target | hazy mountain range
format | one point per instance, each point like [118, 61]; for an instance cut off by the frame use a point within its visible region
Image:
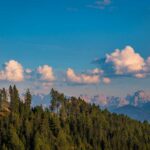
[136, 105]
[135, 112]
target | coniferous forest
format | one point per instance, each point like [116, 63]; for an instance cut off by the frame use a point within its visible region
[67, 124]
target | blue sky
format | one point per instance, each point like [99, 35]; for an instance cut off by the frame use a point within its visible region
[71, 34]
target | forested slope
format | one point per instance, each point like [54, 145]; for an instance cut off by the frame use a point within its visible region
[67, 124]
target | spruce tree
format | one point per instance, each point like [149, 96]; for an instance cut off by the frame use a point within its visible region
[28, 98]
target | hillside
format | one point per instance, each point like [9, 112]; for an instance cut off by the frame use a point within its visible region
[138, 113]
[68, 124]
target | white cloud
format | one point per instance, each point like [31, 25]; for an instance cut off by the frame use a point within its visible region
[106, 80]
[46, 73]
[82, 78]
[13, 71]
[126, 61]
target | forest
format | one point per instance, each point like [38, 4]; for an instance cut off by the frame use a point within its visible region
[68, 123]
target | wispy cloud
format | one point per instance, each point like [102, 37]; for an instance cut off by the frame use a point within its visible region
[100, 4]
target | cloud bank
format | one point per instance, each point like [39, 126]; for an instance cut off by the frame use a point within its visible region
[125, 62]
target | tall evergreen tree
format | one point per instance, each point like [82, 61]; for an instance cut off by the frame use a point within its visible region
[14, 99]
[4, 95]
[1, 100]
[28, 98]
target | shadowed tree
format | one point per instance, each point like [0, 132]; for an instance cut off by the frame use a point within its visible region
[14, 99]
[28, 99]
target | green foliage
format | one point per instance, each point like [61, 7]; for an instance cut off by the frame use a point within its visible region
[69, 124]
[14, 141]
[14, 99]
[28, 98]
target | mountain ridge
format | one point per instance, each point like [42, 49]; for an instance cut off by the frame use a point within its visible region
[140, 100]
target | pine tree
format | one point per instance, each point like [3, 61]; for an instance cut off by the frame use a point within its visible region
[14, 99]
[28, 98]
[4, 95]
[1, 101]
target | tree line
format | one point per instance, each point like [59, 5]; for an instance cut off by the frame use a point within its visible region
[67, 124]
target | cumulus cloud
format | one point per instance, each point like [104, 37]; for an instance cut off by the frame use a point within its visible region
[13, 71]
[82, 78]
[46, 73]
[126, 61]
[106, 80]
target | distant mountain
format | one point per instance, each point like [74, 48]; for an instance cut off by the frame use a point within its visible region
[136, 105]
[146, 107]
[41, 99]
[138, 113]
[138, 98]
[103, 101]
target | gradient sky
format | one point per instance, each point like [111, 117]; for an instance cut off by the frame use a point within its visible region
[71, 34]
